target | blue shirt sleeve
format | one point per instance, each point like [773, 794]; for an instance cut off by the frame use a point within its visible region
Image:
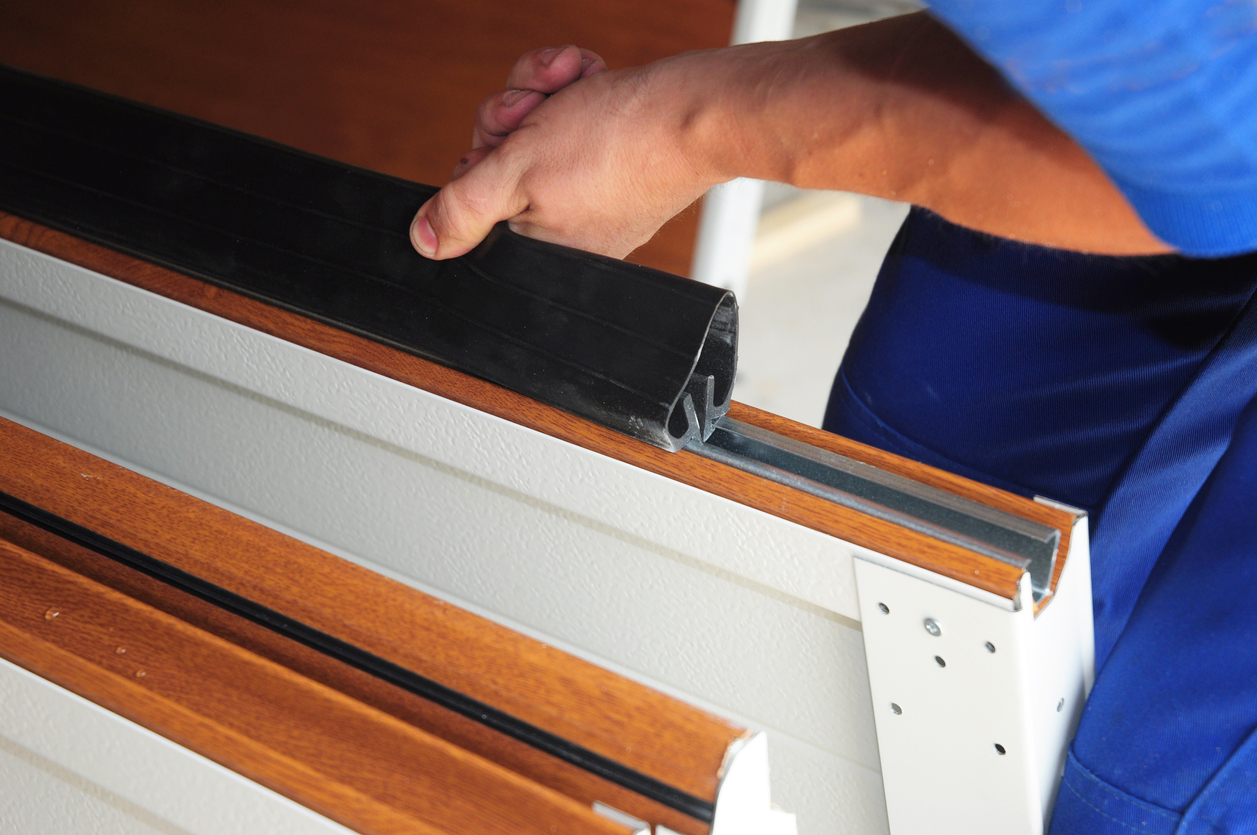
[1162, 93]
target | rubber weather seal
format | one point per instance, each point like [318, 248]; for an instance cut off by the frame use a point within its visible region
[367, 662]
[637, 350]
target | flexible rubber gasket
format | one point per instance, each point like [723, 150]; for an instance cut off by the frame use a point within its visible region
[637, 350]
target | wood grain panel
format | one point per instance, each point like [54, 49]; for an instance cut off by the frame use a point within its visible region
[390, 85]
[948, 560]
[628, 722]
[346, 760]
[465, 733]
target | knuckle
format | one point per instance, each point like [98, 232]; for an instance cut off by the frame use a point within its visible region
[486, 113]
[526, 65]
[463, 217]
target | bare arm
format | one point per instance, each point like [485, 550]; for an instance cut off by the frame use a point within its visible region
[900, 109]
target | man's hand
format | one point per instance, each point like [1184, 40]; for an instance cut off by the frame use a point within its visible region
[598, 159]
[535, 76]
[570, 153]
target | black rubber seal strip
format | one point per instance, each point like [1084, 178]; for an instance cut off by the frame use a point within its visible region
[426, 688]
[623, 345]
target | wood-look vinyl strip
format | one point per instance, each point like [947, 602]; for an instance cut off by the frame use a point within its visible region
[285, 775]
[952, 561]
[329, 752]
[629, 723]
[465, 733]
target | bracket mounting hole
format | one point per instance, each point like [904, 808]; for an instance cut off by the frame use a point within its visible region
[885, 609]
[1000, 749]
[938, 659]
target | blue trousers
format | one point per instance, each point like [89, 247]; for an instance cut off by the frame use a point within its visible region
[1127, 387]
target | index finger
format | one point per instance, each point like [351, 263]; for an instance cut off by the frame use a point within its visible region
[553, 68]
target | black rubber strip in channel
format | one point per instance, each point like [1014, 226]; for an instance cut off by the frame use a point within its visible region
[552, 744]
[613, 342]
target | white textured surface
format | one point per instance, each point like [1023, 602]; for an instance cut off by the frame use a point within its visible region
[784, 557]
[69, 766]
[942, 771]
[38, 797]
[943, 774]
[725, 606]
[743, 802]
[1064, 667]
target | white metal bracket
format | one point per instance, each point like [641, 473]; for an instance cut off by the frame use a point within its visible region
[743, 801]
[974, 703]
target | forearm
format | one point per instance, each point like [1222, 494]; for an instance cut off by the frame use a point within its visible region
[900, 109]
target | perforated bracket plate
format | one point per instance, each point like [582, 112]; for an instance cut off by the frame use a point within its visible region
[974, 703]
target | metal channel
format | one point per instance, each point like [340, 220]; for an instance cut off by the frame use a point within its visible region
[918, 507]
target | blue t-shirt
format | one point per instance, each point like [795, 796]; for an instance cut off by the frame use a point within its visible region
[1162, 93]
[1128, 387]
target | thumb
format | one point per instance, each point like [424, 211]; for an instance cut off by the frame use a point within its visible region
[462, 213]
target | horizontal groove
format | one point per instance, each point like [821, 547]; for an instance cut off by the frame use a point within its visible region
[367, 662]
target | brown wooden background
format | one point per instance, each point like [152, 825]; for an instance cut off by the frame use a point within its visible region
[390, 85]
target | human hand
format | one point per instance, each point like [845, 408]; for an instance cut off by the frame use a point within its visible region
[901, 108]
[569, 153]
[535, 76]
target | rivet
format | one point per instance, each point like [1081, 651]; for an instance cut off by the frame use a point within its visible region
[933, 627]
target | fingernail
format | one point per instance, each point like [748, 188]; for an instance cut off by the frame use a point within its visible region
[547, 56]
[511, 97]
[585, 63]
[422, 236]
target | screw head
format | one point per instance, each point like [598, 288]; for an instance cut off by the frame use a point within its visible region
[895, 709]
[933, 627]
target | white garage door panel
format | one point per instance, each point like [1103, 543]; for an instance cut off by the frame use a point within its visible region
[719, 604]
[68, 766]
